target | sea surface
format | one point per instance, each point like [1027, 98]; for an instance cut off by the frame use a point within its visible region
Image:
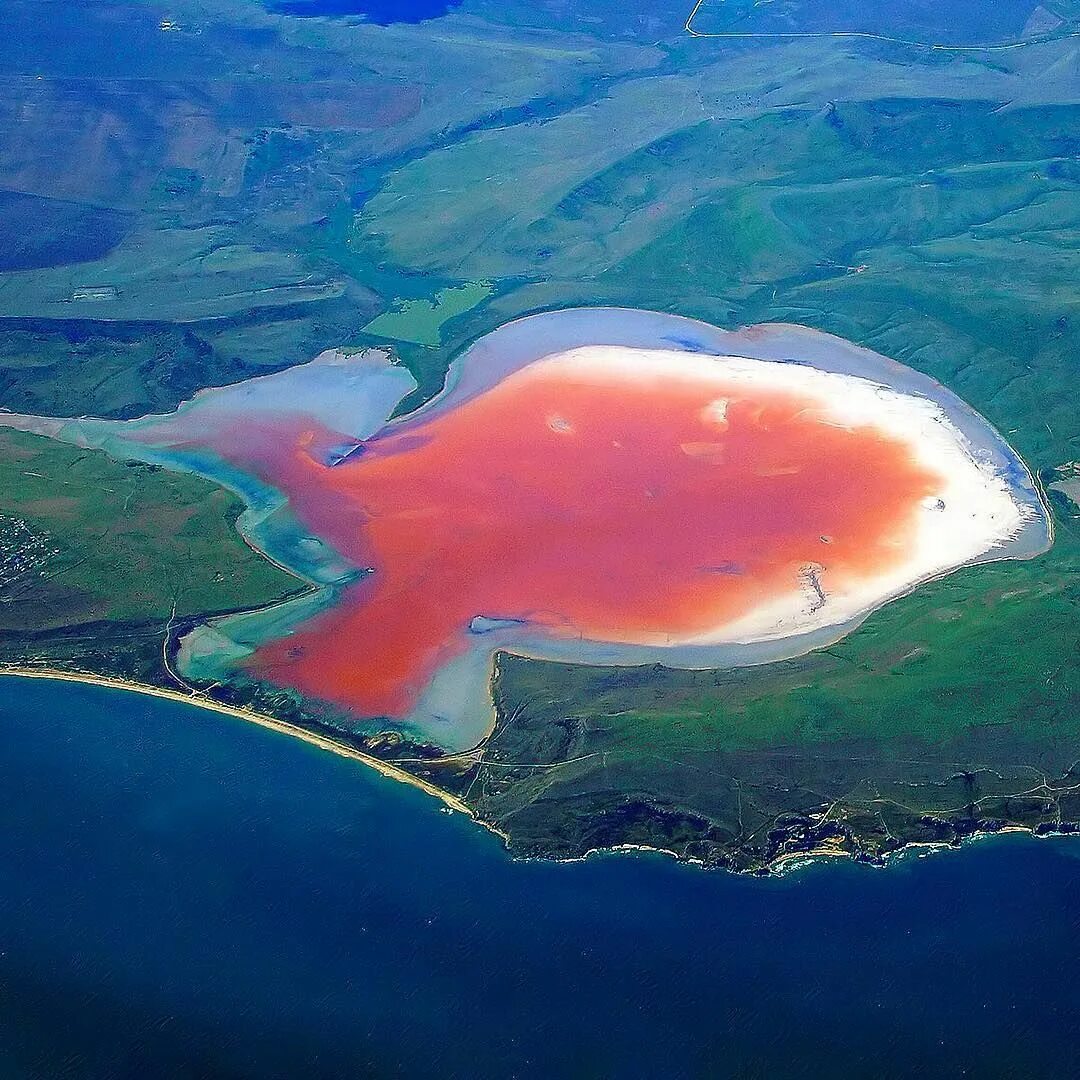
[184, 894]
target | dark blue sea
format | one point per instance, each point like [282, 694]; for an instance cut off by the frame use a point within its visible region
[186, 895]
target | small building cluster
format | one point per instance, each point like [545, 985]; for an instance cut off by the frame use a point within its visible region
[24, 554]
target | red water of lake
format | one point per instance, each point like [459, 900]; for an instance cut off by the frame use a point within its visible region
[592, 505]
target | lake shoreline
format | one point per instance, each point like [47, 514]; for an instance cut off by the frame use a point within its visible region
[802, 613]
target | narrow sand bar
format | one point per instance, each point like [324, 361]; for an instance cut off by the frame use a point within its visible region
[282, 727]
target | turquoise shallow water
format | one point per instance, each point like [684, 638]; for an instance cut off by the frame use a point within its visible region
[182, 894]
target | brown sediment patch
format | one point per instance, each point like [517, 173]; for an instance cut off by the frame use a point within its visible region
[59, 505]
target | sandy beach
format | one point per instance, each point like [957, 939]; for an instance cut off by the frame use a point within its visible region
[280, 726]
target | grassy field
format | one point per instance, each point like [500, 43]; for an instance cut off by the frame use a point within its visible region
[170, 201]
[89, 540]
[950, 23]
[421, 321]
